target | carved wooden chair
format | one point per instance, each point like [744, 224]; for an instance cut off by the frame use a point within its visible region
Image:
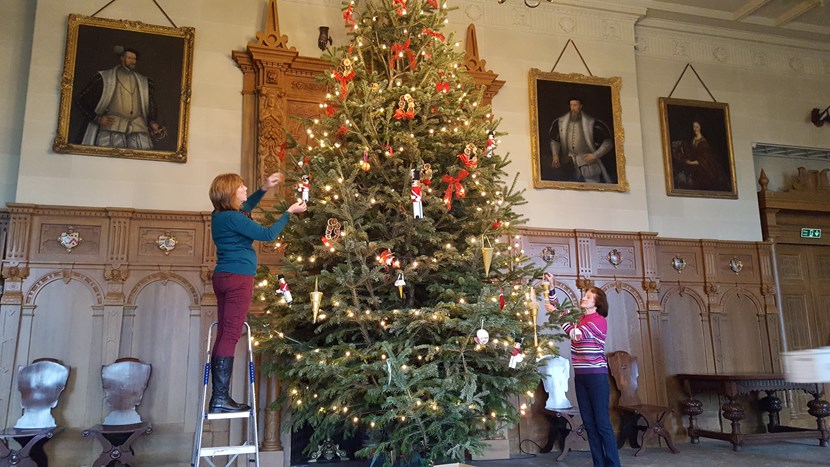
[40, 385]
[625, 371]
[124, 383]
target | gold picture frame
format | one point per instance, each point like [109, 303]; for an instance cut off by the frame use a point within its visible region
[697, 149]
[551, 95]
[151, 64]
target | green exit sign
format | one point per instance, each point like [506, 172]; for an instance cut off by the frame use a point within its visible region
[810, 233]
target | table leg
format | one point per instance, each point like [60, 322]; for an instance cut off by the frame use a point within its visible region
[734, 412]
[772, 405]
[820, 409]
[692, 408]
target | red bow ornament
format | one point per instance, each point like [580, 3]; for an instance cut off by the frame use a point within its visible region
[398, 50]
[434, 34]
[401, 4]
[442, 87]
[344, 75]
[348, 17]
[433, 3]
[454, 186]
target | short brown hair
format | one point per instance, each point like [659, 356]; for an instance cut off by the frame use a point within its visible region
[600, 300]
[223, 191]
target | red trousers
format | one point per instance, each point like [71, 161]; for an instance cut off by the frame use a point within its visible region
[233, 298]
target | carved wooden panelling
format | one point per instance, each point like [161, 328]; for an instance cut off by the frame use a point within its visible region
[682, 264]
[797, 321]
[616, 260]
[790, 267]
[87, 238]
[559, 251]
[823, 318]
[737, 266]
[822, 262]
[183, 242]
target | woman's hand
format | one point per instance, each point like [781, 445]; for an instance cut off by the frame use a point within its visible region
[547, 277]
[297, 207]
[273, 180]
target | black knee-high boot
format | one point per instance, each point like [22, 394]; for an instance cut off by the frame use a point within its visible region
[220, 400]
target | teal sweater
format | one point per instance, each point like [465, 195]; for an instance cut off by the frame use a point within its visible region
[234, 234]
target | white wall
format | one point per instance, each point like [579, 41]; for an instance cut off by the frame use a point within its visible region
[16, 24]
[770, 85]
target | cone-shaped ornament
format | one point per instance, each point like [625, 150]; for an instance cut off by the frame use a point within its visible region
[487, 255]
[400, 282]
[316, 298]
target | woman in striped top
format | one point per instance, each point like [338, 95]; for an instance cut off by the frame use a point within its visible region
[591, 374]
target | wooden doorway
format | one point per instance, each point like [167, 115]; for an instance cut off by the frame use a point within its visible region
[804, 277]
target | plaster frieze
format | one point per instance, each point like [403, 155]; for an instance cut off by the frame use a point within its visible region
[600, 21]
[670, 40]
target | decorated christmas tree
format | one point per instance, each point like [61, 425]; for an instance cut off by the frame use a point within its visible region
[402, 311]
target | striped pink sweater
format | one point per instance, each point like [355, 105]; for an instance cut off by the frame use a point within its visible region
[588, 353]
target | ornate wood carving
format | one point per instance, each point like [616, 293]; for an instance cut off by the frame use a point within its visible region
[476, 67]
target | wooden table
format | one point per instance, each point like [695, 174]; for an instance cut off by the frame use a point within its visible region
[731, 386]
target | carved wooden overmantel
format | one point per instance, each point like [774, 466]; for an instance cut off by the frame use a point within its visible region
[280, 86]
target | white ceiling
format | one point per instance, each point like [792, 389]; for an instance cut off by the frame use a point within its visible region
[797, 19]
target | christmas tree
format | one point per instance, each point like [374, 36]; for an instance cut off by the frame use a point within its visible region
[403, 313]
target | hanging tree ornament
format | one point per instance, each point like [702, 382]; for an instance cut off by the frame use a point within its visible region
[487, 254]
[364, 164]
[386, 258]
[501, 298]
[406, 108]
[415, 195]
[304, 187]
[426, 175]
[400, 282]
[468, 157]
[344, 74]
[283, 289]
[316, 299]
[516, 355]
[482, 336]
[546, 290]
[491, 143]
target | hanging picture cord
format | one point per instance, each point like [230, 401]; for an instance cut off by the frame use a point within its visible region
[571, 42]
[154, 1]
[689, 65]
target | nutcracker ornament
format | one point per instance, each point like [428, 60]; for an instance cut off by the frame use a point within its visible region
[491, 143]
[283, 290]
[415, 195]
[516, 356]
[304, 187]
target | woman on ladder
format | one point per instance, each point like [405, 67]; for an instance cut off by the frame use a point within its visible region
[233, 231]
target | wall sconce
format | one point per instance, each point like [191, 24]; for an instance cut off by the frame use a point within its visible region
[819, 117]
[323, 39]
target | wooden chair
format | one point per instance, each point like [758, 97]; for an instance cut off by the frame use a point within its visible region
[40, 384]
[624, 369]
[124, 383]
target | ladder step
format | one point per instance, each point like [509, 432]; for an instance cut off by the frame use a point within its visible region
[226, 451]
[224, 416]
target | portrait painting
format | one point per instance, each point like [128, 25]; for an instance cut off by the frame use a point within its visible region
[697, 149]
[576, 132]
[125, 90]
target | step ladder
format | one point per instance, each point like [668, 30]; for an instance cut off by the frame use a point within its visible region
[250, 448]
